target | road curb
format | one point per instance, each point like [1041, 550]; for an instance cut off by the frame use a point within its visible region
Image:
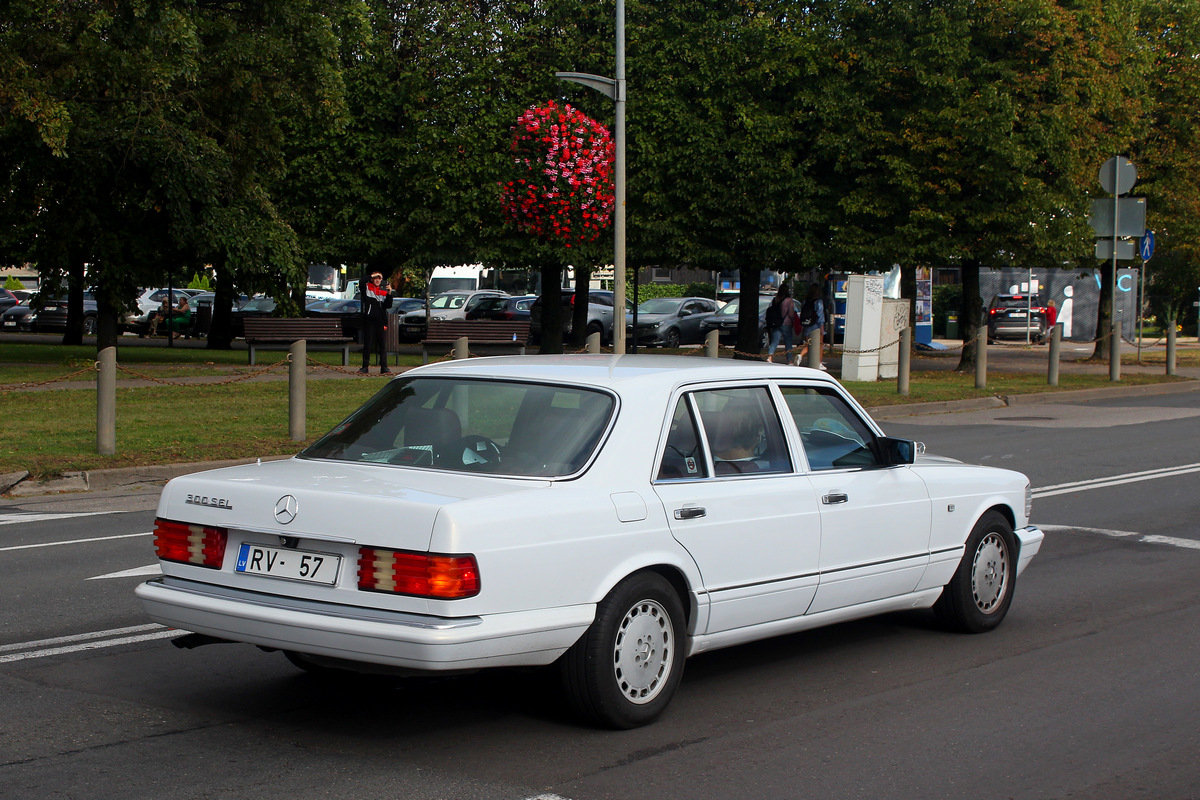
[131, 478]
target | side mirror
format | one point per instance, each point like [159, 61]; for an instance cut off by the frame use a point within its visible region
[898, 451]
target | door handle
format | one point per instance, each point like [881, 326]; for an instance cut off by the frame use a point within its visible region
[834, 498]
[689, 513]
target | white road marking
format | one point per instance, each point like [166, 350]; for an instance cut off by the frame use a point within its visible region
[94, 640]
[11, 519]
[75, 541]
[136, 572]
[1115, 480]
[1172, 541]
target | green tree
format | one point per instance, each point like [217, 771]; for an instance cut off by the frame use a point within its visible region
[720, 140]
[1168, 155]
[968, 133]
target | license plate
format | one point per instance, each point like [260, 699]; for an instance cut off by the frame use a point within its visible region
[292, 565]
[10, 324]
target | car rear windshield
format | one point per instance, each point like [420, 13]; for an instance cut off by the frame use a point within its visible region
[483, 426]
[1016, 301]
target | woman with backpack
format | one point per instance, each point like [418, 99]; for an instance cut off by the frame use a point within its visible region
[780, 320]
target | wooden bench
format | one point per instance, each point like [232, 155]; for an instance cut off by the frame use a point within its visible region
[278, 333]
[499, 333]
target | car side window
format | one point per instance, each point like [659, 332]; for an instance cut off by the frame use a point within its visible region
[834, 437]
[743, 431]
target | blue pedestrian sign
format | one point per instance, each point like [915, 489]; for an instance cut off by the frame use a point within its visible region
[1147, 245]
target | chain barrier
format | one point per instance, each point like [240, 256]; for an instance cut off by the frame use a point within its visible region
[20, 387]
[235, 379]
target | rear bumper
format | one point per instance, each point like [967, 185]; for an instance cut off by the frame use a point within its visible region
[413, 641]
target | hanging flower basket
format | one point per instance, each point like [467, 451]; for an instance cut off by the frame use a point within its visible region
[563, 189]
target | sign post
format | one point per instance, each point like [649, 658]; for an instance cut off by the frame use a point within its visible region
[1117, 176]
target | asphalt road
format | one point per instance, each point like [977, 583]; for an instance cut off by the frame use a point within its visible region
[1089, 690]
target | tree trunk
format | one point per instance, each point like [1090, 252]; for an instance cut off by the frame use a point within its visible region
[107, 322]
[552, 317]
[75, 279]
[970, 315]
[1104, 315]
[749, 340]
[220, 329]
[579, 311]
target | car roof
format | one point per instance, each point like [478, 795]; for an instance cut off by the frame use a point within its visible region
[617, 371]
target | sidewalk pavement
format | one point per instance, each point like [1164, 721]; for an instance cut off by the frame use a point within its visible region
[1000, 358]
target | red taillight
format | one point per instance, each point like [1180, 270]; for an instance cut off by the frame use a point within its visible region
[420, 574]
[190, 544]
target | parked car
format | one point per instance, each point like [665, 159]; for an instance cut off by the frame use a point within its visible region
[17, 318]
[447, 305]
[1016, 316]
[503, 308]
[726, 320]
[672, 321]
[350, 312]
[258, 306]
[615, 515]
[599, 317]
[403, 305]
[7, 300]
[52, 316]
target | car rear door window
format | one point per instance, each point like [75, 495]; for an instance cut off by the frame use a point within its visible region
[742, 431]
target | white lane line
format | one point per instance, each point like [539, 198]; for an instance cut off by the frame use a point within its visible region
[93, 645]
[1172, 541]
[136, 572]
[1115, 480]
[12, 519]
[80, 637]
[75, 541]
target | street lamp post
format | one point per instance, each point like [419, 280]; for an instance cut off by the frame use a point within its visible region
[614, 88]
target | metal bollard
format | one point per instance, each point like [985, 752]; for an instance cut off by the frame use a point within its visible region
[902, 374]
[712, 344]
[106, 402]
[814, 349]
[461, 348]
[981, 357]
[1171, 347]
[1114, 361]
[593, 342]
[297, 397]
[1055, 351]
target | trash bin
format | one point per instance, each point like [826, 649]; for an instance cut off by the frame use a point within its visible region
[203, 321]
[952, 326]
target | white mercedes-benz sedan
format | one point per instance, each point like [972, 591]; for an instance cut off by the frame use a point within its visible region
[611, 515]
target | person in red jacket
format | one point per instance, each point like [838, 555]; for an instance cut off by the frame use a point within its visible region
[376, 300]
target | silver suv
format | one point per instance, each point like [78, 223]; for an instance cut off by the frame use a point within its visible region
[447, 305]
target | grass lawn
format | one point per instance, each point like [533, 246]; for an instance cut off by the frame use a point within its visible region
[54, 431]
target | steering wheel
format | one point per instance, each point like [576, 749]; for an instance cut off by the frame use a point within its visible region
[472, 449]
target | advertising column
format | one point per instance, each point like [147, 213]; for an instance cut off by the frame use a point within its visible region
[864, 316]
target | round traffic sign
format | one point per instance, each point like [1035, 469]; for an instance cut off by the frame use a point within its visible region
[1118, 175]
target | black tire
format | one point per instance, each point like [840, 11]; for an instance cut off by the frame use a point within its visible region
[624, 671]
[978, 596]
[672, 339]
[89, 326]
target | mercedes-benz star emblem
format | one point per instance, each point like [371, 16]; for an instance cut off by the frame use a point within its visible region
[285, 509]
